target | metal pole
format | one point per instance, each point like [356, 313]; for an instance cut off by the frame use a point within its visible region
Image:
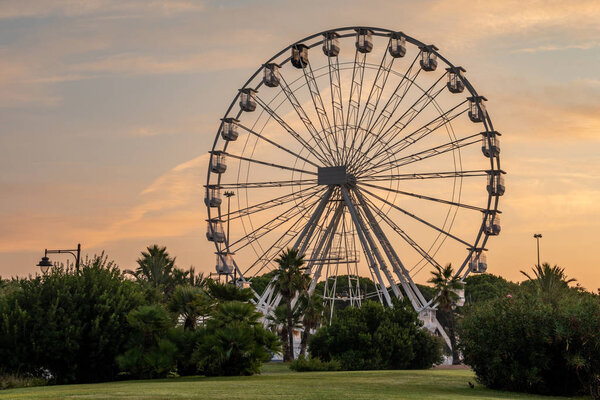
[537, 236]
[78, 258]
[228, 195]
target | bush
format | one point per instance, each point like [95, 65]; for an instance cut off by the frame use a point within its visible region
[527, 344]
[67, 326]
[12, 381]
[234, 341]
[302, 364]
[374, 337]
[151, 354]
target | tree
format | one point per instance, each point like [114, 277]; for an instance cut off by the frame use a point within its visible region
[222, 292]
[290, 280]
[151, 354]
[234, 341]
[312, 309]
[446, 284]
[549, 281]
[70, 325]
[374, 337]
[190, 303]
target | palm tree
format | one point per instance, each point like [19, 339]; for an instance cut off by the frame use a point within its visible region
[155, 266]
[277, 322]
[312, 308]
[290, 280]
[549, 280]
[447, 284]
[190, 303]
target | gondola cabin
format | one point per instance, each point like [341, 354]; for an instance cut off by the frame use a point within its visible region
[218, 162]
[213, 196]
[271, 77]
[364, 40]
[478, 262]
[214, 231]
[224, 263]
[477, 108]
[492, 224]
[495, 183]
[397, 47]
[248, 99]
[455, 83]
[299, 56]
[428, 58]
[490, 144]
[331, 44]
[229, 130]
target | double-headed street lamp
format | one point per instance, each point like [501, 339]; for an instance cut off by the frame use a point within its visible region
[45, 263]
[538, 236]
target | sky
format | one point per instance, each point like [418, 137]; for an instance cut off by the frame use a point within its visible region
[108, 109]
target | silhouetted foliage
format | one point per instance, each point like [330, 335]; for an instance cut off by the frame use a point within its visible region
[374, 337]
[65, 325]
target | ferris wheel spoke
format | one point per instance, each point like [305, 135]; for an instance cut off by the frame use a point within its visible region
[358, 73]
[337, 107]
[267, 184]
[418, 134]
[395, 99]
[324, 148]
[405, 119]
[422, 197]
[311, 149]
[405, 236]
[315, 94]
[375, 93]
[268, 164]
[426, 175]
[280, 243]
[429, 224]
[294, 153]
[425, 154]
[267, 227]
[265, 205]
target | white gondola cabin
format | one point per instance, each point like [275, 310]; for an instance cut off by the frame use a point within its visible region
[331, 44]
[248, 99]
[428, 58]
[397, 47]
[224, 263]
[299, 55]
[477, 110]
[218, 162]
[495, 183]
[364, 40]
[229, 131]
[492, 224]
[478, 262]
[490, 144]
[455, 83]
[214, 231]
[213, 196]
[271, 77]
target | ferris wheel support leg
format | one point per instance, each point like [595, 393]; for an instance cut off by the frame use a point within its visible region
[308, 230]
[410, 289]
[363, 240]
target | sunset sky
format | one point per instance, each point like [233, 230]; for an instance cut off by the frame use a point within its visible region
[108, 109]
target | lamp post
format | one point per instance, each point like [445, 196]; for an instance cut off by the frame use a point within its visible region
[45, 263]
[538, 236]
[229, 195]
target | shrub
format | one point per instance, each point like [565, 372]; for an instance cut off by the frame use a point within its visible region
[66, 325]
[234, 341]
[11, 381]
[374, 337]
[304, 364]
[151, 354]
[527, 344]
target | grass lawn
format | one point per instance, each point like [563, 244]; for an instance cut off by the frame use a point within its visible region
[278, 382]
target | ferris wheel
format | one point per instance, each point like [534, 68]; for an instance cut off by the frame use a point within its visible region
[366, 150]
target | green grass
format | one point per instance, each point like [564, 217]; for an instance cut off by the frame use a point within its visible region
[277, 382]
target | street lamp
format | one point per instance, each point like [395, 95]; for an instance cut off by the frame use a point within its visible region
[45, 263]
[538, 236]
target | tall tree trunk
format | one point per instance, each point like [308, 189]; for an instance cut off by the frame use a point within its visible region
[290, 324]
[285, 343]
[455, 355]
